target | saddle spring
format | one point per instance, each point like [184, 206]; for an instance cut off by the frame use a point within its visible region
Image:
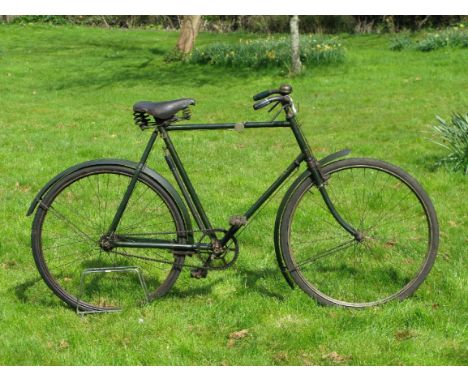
[186, 113]
[143, 120]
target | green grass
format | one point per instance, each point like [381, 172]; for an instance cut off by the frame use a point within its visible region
[66, 97]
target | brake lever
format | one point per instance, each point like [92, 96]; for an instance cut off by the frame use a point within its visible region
[279, 111]
[274, 105]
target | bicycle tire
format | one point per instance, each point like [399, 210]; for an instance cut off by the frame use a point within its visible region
[65, 188]
[398, 178]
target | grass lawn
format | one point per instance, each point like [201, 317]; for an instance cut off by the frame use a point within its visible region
[65, 97]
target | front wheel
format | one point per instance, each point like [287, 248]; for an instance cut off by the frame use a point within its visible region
[397, 244]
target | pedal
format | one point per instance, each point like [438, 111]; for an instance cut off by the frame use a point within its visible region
[237, 220]
[199, 273]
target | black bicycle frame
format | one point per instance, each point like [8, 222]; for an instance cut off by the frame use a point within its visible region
[192, 199]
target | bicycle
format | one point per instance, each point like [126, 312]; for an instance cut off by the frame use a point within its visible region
[349, 232]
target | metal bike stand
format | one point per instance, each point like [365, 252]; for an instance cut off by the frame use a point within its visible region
[89, 271]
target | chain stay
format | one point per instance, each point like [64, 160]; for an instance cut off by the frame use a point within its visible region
[218, 253]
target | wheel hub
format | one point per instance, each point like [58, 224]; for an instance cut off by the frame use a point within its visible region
[105, 242]
[359, 236]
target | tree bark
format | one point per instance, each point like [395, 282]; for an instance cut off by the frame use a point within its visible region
[296, 65]
[188, 33]
[390, 21]
[422, 22]
[8, 18]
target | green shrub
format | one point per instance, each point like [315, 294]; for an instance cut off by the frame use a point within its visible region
[56, 20]
[430, 43]
[399, 43]
[456, 36]
[269, 52]
[454, 137]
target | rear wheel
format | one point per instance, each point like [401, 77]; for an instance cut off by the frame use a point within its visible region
[398, 227]
[72, 219]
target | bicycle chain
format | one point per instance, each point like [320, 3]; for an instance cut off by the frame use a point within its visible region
[212, 256]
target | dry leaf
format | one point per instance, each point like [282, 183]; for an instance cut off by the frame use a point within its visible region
[281, 357]
[234, 336]
[63, 344]
[335, 357]
[237, 335]
[390, 243]
[21, 188]
[405, 334]
[8, 264]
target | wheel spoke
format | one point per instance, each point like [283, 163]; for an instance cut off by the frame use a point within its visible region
[326, 253]
[328, 238]
[382, 203]
[69, 222]
[65, 244]
[72, 227]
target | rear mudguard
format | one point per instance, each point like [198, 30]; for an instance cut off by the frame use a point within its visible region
[287, 196]
[163, 182]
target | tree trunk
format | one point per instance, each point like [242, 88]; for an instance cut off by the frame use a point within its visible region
[390, 21]
[8, 18]
[296, 65]
[188, 33]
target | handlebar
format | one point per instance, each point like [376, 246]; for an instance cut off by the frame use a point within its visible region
[264, 94]
[265, 102]
[283, 90]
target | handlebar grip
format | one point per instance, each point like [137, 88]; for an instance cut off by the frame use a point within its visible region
[262, 103]
[263, 94]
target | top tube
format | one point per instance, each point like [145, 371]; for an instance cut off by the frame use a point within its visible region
[226, 126]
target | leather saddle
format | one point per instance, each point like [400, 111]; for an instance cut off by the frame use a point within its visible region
[163, 110]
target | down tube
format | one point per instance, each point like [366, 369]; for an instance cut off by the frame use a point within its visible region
[265, 196]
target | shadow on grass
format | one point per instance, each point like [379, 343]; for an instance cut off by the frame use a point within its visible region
[21, 291]
[203, 290]
[430, 163]
[253, 276]
[157, 73]
[137, 66]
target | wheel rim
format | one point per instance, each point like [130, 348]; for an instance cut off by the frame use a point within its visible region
[73, 221]
[395, 227]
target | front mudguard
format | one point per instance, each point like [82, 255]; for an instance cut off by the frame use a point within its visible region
[287, 196]
[163, 182]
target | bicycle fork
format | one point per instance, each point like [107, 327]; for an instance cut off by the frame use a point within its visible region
[320, 181]
[319, 178]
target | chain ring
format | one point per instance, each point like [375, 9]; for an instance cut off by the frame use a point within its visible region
[217, 258]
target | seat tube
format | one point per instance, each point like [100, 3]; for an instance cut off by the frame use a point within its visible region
[191, 196]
